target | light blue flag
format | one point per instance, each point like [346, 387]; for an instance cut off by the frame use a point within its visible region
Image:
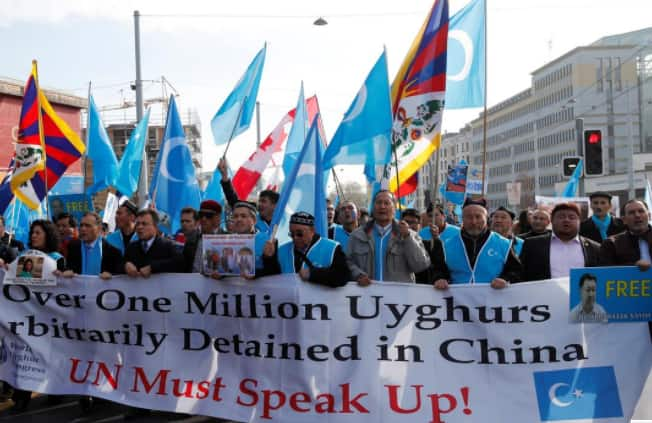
[100, 150]
[234, 116]
[132, 158]
[303, 189]
[174, 183]
[465, 65]
[296, 138]
[574, 182]
[18, 218]
[363, 136]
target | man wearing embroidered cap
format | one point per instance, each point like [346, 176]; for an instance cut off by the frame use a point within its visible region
[477, 255]
[384, 249]
[315, 259]
[602, 224]
[502, 222]
[125, 223]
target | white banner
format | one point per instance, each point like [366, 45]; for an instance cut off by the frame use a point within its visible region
[284, 350]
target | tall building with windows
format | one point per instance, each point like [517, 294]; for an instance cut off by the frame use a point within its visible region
[608, 85]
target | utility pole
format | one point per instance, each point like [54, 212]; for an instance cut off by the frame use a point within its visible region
[142, 181]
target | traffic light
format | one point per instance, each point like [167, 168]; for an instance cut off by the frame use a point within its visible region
[569, 164]
[593, 152]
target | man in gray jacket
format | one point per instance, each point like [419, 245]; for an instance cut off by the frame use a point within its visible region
[385, 249]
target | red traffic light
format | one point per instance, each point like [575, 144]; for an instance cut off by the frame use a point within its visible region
[595, 137]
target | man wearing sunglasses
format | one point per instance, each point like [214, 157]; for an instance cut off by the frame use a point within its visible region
[315, 259]
[210, 218]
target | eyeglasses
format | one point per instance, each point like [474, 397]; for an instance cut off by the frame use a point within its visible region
[207, 215]
[296, 234]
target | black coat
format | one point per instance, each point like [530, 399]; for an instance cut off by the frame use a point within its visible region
[162, 256]
[623, 249]
[588, 229]
[112, 261]
[535, 256]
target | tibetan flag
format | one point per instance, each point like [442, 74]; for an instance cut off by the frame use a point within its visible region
[418, 98]
[41, 130]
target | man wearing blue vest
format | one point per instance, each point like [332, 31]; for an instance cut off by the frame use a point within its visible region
[349, 218]
[439, 227]
[125, 224]
[477, 255]
[315, 259]
[384, 249]
[502, 222]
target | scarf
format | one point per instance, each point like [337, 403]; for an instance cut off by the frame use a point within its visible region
[602, 225]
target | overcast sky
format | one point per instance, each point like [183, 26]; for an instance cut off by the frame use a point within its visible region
[203, 47]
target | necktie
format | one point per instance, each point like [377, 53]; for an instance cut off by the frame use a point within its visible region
[144, 244]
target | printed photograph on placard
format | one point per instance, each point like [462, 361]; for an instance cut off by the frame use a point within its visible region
[228, 254]
[610, 294]
[31, 268]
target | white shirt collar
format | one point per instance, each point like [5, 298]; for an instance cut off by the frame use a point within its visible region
[576, 239]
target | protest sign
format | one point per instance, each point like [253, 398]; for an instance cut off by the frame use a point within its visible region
[74, 204]
[33, 267]
[279, 349]
[614, 294]
[228, 254]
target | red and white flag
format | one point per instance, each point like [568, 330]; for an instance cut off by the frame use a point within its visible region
[267, 160]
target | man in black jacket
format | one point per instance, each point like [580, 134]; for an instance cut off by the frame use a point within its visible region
[553, 255]
[91, 254]
[151, 253]
[602, 224]
[630, 248]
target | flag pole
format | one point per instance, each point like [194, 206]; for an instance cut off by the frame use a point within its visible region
[88, 133]
[41, 137]
[398, 181]
[235, 126]
[484, 117]
[338, 188]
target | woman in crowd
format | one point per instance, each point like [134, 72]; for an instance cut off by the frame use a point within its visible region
[44, 237]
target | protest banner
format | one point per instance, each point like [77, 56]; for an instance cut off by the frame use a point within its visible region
[228, 254]
[279, 349]
[614, 294]
[33, 267]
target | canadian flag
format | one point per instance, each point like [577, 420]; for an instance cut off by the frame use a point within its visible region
[268, 158]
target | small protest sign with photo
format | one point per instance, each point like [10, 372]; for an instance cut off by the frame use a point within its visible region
[228, 255]
[32, 268]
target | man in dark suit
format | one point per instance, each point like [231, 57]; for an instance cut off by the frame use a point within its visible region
[553, 255]
[630, 248]
[602, 224]
[152, 253]
[91, 254]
